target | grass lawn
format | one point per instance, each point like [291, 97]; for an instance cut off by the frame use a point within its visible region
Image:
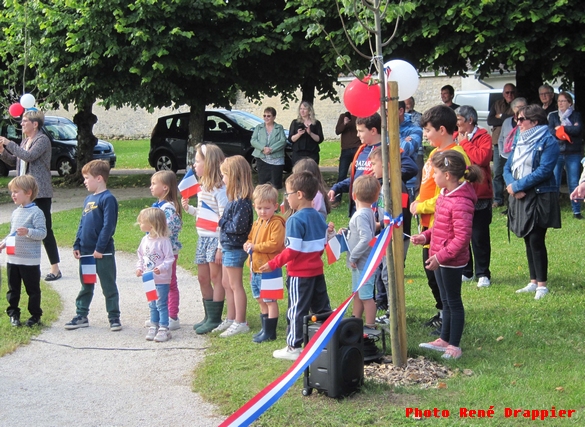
[522, 353]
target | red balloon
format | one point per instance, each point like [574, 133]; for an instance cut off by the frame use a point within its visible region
[16, 110]
[361, 99]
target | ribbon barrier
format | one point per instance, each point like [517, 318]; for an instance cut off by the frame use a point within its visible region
[256, 406]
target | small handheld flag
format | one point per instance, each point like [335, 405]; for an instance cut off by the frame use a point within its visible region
[11, 244]
[335, 247]
[149, 286]
[88, 270]
[207, 218]
[189, 187]
[271, 286]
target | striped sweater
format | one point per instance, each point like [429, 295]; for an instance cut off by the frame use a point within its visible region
[216, 200]
[28, 248]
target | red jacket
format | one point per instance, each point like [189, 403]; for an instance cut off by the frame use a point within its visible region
[451, 231]
[480, 152]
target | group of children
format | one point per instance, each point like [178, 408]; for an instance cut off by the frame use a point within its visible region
[228, 237]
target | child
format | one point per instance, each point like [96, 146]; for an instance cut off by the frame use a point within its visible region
[208, 159]
[449, 240]
[235, 225]
[266, 240]
[27, 224]
[163, 186]
[361, 231]
[305, 241]
[155, 254]
[439, 123]
[95, 239]
[321, 202]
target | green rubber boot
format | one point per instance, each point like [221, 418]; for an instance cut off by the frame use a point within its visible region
[196, 325]
[214, 311]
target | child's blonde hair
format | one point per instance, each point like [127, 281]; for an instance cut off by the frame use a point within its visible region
[169, 179]
[265, 193]
[310, 165]
[25, 183]
[156, 219]
[97, 168]
[366, 189]
[212, 157]
[239, 174]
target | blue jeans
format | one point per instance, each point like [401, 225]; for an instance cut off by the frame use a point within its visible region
[572, 165]
[159, 309]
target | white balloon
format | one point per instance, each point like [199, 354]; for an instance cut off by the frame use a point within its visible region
[405, 75]
[27, 100]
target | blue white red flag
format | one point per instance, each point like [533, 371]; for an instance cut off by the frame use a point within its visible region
[271, 286]
[189, 187]
[11, 244]
[207, 218]
[88, 270]
[149, 286]
[335, 247]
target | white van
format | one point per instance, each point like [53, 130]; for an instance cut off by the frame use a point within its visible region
[481, 100]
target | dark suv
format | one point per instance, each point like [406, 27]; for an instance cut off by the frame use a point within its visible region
[62, 133]
[230, 130]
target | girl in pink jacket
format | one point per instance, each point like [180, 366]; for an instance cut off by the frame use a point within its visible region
[449, 243]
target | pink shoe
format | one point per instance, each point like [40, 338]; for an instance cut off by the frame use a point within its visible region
[438, 345]
[452, 352]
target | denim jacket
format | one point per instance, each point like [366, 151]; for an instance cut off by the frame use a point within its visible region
[544, 160]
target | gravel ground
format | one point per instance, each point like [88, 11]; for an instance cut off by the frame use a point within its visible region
[95, 377]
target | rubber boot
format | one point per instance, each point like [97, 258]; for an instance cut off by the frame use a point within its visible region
[214, 311]
[262, 318]
[269, 331]
[196, 325]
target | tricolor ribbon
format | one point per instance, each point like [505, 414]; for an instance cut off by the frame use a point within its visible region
[270, 395]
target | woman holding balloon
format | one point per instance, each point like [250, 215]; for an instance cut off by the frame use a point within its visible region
[33, 157]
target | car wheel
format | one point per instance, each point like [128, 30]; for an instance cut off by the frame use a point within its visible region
[4, 169]
[165, 162]
[65, 166]
[254, 164]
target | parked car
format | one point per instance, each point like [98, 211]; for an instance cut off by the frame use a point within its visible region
[62, 133]
[230, 130]
[481, 100]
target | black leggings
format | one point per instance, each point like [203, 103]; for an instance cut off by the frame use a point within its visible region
[49, 242]
[449, 281]
[537, 254]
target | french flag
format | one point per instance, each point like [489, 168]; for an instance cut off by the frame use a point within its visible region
[271, 286]
[189, 187]
[207, 218]
[335, 247]
[88, 270]
[282, 208]
[11, 244]
[149, 286]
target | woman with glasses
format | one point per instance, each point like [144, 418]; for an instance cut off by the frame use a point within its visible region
[33, 157]
[305, 134]
[566, 125]
[533, 192]
[269, 143]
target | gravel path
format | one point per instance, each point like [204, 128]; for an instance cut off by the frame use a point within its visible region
[95, 377]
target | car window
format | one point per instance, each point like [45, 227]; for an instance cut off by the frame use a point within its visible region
[245, 121]
[178, 127]
[63, 131]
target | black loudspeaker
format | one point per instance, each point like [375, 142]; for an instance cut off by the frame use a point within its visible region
[339, 369]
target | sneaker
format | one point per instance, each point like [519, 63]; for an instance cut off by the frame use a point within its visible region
[288, 353]
[483, 282]
[33, 321]
[438, 345]
[435, 332]
[115, 325]
[383, 320]
[223, 326]
[235, 329]
[464, 278]
[162, 335]
[452, 352]
[148, 324]
[151, 333]
[77, 322]
[434, 322]
[15, 321]
[174, 324]
[531, 287]
[577, 216]
[541, 291]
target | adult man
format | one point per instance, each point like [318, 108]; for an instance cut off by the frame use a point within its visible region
[414, 115]
[350, 142]
[547, 97]
[499, 112]
[447, 94]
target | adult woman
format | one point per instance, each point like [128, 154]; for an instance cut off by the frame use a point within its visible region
[567, 120]
[305, 134]
[269, 143]
[534, 196]
[33, 157]
[477, 144]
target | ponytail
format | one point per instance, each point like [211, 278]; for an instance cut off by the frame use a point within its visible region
[473, 173]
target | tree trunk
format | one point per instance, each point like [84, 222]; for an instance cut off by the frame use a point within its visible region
[528, 80]
[196, 129]
[86, 140]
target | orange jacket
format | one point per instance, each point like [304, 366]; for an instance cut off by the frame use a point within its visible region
[268, 240]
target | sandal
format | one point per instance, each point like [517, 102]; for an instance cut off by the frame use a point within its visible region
[452, 352]
[50, 277]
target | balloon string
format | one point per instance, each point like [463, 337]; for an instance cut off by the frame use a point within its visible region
[25, 49]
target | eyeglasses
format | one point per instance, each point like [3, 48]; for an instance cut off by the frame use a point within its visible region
[521, 119]
[510, 92]
[267, 115]
[544, 93]
[288, 194]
